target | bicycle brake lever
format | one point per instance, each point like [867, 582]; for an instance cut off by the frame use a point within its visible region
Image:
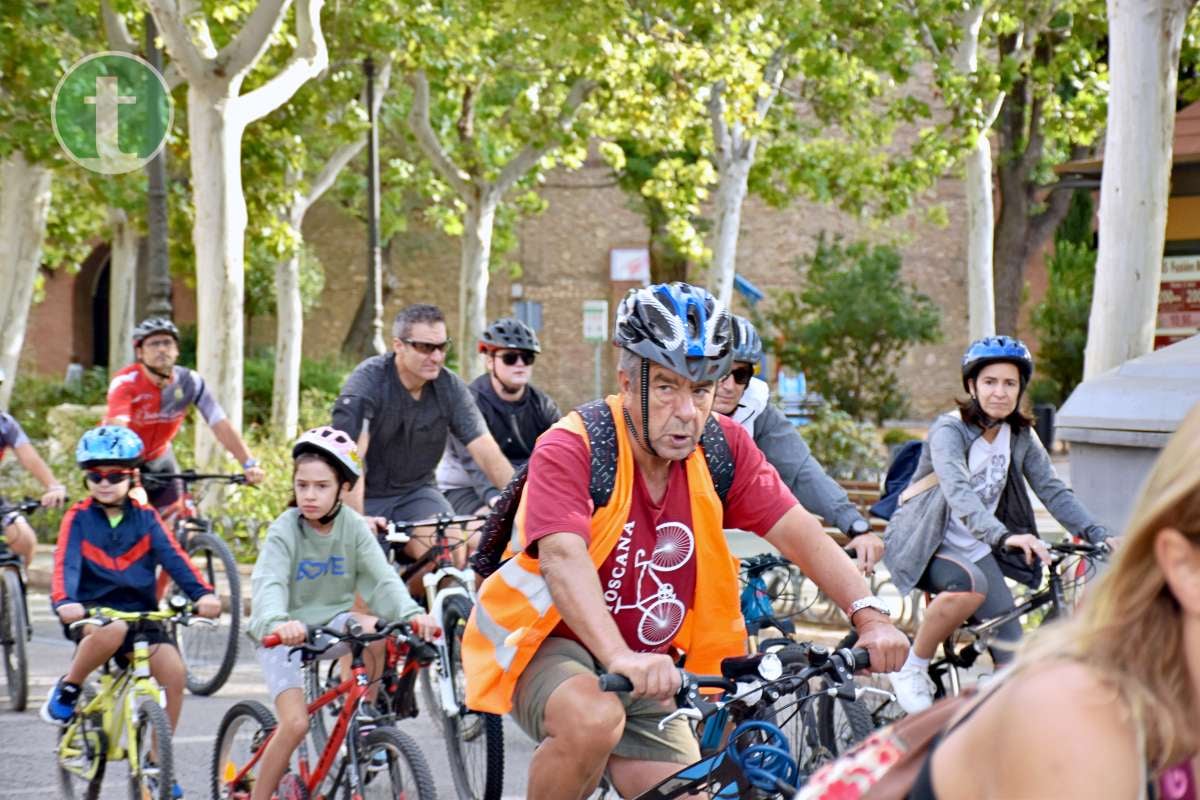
[395, 536]
[862, 690]
[689, 713]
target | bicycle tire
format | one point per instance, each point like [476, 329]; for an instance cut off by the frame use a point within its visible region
[401, 751]
[207, 674]
[93, 742]
[12, 631]
[154, 775]
[836, 734]
[482, 729]
[261, 722]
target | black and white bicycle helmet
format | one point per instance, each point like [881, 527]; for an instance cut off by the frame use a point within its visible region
[509, 333]
[152, 325]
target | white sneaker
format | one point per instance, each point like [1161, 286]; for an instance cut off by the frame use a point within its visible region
[913, 689]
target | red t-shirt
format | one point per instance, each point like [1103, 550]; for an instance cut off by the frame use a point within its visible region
[155, 414]
[649, 578]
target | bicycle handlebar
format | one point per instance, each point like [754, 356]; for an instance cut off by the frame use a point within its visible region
[353, 633]
[26, 506]
[441, 522]
[190, 476]
[101, 616]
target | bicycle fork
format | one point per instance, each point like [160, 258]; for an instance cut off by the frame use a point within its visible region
[436, 603]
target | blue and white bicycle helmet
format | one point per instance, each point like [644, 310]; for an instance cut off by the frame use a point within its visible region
[747, 346]
[993, 350]
[109, 445]
[681, 327]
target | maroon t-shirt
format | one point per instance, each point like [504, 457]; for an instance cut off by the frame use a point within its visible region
[649, 578]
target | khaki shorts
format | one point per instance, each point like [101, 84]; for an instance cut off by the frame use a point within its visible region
[559, 659]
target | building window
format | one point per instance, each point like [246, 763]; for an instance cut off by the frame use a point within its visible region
[529, 312]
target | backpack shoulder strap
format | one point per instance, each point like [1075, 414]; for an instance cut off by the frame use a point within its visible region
[719, 456]
[602, 442]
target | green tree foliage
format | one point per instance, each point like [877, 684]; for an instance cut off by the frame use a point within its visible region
[850, 325]
[1061, 319]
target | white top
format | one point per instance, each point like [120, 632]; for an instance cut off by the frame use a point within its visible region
[754, 401]
[988, 464]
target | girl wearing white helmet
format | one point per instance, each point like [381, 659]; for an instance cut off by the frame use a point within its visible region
[318, 555]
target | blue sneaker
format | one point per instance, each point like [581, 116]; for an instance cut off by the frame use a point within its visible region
[176, 791]
[59, 707]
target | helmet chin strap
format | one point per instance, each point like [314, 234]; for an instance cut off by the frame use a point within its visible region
[333, 512]
[644, 438]
[990, 421]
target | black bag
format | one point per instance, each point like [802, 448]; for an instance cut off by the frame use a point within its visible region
[899, 474]
[602, 441]
[1016, 512]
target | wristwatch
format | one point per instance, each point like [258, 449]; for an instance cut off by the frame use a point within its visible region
[858, 528]
[870, 601]
[250, 463]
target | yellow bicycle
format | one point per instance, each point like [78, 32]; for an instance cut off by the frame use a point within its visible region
[124, 719]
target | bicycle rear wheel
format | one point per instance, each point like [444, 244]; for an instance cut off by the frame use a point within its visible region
[243, 731]
[82, 753]
[12, 637]
[209, 652]
[391, 766]
[153, 774]
[474, 741]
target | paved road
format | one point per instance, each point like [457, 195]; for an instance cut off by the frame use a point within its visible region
[27, 743]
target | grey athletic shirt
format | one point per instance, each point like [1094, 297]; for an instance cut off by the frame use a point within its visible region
[407, 436]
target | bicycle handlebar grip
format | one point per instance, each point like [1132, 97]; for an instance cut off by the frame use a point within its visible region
[611, 682]
[862, 658]
[271, 640]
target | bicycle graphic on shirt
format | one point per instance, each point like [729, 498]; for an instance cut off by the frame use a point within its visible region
[662, 611]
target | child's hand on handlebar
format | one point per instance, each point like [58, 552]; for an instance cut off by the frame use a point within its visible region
[425, 626]
[54, 497]
[71, 612]
[255, 475]
[209, 605]
[291, 632]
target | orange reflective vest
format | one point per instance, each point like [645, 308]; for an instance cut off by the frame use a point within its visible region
[514, 612]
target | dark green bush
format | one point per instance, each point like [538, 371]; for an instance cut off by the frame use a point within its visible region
[34, 395]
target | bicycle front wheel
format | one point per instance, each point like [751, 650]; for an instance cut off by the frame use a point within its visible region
[391, 765]
[474, 741]
[153, 770]
[210, 651]
[242, 733]
[82, 753]
[12, 637]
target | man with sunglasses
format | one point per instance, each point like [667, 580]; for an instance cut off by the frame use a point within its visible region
[401, 407]
[516, 413]
[152, 396]
[746, 399]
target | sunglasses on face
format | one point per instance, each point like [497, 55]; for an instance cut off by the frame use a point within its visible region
[526, 357]
[741, 375]
[112, 476]
[427, 348]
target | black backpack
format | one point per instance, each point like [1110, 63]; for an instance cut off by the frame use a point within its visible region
[899, 473]
[602, 439]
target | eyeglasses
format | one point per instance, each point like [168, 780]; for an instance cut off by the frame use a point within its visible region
[427, 348]
[741, 375]
[526, 357]
[113, 476]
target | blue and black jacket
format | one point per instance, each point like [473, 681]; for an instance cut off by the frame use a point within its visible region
[96, 564]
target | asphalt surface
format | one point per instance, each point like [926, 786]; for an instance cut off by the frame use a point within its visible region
[27, 763]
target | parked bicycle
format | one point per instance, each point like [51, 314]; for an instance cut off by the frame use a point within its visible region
[209, 654]
[757, 693]
[373, 759]
[125, 718]
[15, 627]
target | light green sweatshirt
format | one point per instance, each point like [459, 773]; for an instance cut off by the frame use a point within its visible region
[312, 577]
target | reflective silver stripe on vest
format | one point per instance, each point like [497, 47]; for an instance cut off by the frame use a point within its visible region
[505, 653]
[530, 584]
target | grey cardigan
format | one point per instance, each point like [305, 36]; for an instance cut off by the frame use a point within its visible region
[917, 528]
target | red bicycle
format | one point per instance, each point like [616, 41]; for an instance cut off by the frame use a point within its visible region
[373, 758]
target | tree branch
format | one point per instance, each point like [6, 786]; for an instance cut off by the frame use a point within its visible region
[716, 115]
[237, 57]
[178, 40]
[116, 30]
[418, 121]
[530, 155]
[773, 74]
[310, 58]
[926, 34]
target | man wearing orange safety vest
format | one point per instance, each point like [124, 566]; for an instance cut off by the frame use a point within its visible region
[646, 577]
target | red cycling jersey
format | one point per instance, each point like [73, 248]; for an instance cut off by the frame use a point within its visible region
[154, 413]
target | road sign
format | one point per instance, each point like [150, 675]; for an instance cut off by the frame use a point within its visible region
[595, 321]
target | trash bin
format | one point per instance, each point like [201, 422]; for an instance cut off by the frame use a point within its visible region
[1043, 415]
[1117, 423]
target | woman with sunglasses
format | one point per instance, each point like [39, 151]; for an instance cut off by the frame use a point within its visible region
[747, 399]
[516, 413]
[109, 549]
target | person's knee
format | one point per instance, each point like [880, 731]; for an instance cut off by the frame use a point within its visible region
[110, 635]
[586, 722]
[166, 666]
[292, 725]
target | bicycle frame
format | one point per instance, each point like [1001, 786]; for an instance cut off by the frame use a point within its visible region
[353, 689]
[117, 699]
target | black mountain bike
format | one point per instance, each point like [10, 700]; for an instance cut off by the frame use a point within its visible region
[15, 628]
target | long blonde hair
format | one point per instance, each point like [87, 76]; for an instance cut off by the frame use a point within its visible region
[1130, 627]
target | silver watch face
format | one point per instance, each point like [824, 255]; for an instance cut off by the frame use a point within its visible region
[873, 603]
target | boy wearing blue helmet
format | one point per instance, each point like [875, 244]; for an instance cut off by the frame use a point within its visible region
[109, 547]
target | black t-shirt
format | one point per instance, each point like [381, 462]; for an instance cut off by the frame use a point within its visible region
[407, 436]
